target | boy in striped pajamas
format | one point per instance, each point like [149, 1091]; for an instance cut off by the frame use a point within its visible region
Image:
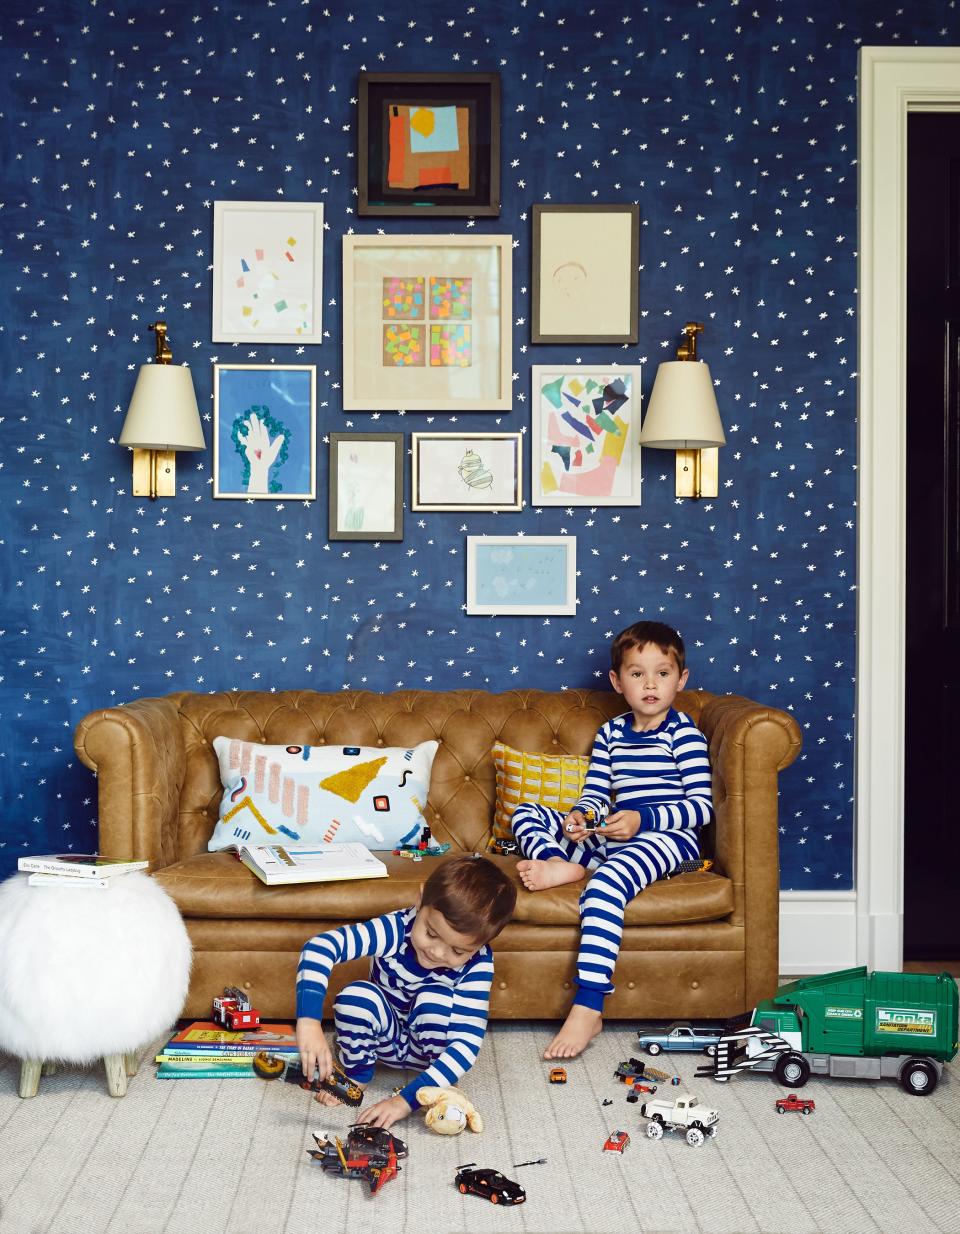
[425, 1004]
[649, 787]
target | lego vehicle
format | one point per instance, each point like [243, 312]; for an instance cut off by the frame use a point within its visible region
[358, 1159]
[636, 1069]
[268, 1066]
[680, 1036]
[337, 1083]
[489, 1185]
[699, 865]
[367, 1136]
[638, 1088]
[682, 1113]
[850, 1024]
[503, 848]
[793, 1102]
[558, 1075]
[232, 1010]
[617, 1141]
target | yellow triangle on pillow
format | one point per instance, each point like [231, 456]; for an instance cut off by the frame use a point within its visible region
[350, 784]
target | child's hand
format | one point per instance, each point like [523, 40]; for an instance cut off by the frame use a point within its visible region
[623, 825]
[385, 1113]
[573, 826]
[314, 1051]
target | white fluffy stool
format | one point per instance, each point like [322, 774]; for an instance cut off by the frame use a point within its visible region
[88, 974]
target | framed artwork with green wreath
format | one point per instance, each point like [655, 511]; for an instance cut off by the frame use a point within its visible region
[264, 431]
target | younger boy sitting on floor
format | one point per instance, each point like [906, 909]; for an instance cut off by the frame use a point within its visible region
[426, 1002]
[649, 788]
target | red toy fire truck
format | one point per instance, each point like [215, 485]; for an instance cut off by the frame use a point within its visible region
[233, 1010]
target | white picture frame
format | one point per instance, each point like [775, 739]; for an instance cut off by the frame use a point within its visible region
[522, 576]
[267, 272]
[466, 471]
[427, 323]
[585, 435]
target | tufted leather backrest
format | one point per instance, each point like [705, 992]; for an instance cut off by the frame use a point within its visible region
[465, 722]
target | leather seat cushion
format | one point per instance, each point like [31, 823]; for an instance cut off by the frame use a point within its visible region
[218, 886]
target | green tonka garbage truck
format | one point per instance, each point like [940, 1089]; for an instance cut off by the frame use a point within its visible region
[851, 1023]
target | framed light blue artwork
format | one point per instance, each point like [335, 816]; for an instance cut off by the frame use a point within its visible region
[522, 575]
[264, 431]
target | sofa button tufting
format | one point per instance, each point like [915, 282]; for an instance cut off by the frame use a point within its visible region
[566, 985]
[379, 741]
[503, 985]
[246, 985]
[466, 779]
[631, 985]
[694, 985]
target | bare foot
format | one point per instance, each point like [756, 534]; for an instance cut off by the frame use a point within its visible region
[538, 875]
[579, 1029]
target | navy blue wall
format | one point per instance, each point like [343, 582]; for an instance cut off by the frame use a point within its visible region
[734, 126]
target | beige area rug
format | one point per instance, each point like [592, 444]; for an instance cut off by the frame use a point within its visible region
[227, 1157]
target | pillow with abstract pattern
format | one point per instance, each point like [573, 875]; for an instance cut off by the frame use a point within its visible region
[554, 780]
[321, 794]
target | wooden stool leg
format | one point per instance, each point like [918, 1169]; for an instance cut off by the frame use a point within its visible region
[49, 1069]
[131, 1061]
[30, 1070]
[116, 1075]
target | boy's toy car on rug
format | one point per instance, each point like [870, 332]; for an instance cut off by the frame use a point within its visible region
[682, 1113]
[489, 1185]
[636, 1069]
[617, 1141]
[376, 1162]
[793, 1102]
[558, 1075]
[638, 1088]
[232, 1010]
[681, 1036]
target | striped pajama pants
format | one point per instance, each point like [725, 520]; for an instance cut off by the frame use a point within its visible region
[620, 870]
[370, 1029]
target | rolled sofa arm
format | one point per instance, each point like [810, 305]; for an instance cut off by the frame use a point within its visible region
[138, 755]
[749, 746]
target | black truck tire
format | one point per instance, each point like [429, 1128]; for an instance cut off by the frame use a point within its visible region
[918, 1076]
[792, 1070]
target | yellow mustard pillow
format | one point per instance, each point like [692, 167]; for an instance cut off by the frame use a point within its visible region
[554, 780]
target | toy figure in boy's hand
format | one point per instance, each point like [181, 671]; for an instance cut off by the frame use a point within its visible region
[425, 1003]
[649, 785]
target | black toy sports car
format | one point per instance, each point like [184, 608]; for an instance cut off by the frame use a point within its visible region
[489, 1185]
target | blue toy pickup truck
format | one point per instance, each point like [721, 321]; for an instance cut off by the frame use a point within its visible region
[681, 1036]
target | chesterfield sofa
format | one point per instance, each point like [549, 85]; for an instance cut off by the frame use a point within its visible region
[698, 945]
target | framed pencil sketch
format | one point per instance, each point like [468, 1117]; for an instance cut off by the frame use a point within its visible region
[522, 575]
[429, 143]
[264, 431]
[585, 429]
[585, 280]
[366, 486]
[466, 471]
[426, 323]
[267, 272]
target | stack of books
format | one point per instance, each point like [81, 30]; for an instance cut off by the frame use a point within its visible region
[202, 1050]
[76, 871]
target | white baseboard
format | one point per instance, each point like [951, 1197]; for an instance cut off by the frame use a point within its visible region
[818, 931]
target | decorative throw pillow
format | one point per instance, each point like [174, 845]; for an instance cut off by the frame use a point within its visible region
[554, 780]
[321, 794]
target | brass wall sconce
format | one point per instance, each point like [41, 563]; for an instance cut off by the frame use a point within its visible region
[163, 417]
[683, 415]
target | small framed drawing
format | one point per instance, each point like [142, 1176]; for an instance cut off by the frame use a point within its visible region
[585, 430]
[426, 323]
[466, 471]
[264, 431]
[522, 575]
[585, 280]
[267, 271]
[366, 486]
[429, 143]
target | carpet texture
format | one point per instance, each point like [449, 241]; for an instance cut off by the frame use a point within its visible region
[227, 1157]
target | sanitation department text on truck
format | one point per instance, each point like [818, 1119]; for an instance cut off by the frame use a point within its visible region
[851, 1024]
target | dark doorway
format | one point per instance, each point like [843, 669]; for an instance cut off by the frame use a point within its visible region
[932, 687]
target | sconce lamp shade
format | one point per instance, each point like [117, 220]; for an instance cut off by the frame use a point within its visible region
[163, 412]
[682, 413]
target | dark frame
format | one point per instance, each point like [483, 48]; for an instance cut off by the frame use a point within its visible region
[632, 336]
[480, 92]
[338, 439]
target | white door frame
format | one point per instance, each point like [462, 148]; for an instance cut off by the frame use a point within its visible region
[893, 82]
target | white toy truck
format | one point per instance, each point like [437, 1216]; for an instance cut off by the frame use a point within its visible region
[683, 1113]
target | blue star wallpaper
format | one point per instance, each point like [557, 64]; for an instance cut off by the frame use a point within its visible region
[733, 126]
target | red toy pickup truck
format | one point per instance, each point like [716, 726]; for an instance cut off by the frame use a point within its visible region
[793, 1102]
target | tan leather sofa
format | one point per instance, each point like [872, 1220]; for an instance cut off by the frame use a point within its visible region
[697, 945]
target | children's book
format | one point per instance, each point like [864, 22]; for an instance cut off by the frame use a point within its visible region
[69, 881]
[171, 1071]
[275, 864]
[205, 1060]
[205, 1037]
[79, 865]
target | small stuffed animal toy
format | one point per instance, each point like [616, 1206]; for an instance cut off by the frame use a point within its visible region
[448, 1111]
